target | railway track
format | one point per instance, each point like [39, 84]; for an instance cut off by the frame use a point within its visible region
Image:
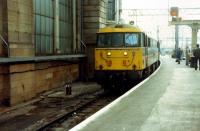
[85, 108]
[74, 118]
[55, 112]
[72, 113]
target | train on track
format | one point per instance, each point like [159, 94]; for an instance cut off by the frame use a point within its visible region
[124, 54]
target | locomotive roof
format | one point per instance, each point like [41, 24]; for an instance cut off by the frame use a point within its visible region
[120, 28]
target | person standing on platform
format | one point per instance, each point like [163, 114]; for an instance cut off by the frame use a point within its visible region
[178, 55]
[196, 54]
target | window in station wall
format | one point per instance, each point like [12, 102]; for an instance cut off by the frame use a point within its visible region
[65, 25]
[44, 26]
[44, 18]
[111, 10]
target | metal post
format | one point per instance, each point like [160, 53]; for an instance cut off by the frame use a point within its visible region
[194, 36]
[176, 38]
[56, 27]
[74, 25]
[82, 11]
[120, 11]
[158, 32]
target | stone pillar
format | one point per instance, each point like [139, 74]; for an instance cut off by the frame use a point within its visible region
[94, 18]
[20, 28]
[18, 32]
[4, 70]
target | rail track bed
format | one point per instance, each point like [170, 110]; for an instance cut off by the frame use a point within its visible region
[52, 113]
[56, 113]
[44, 111]
[79, 114]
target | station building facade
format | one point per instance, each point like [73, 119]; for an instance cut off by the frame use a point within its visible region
[41, 43]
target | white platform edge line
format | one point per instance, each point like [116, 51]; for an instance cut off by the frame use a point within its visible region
[106, 108]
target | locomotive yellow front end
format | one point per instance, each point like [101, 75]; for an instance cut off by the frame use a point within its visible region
[119, 56]
[119, 59]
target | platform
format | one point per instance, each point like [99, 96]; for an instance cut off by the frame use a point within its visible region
[74, 57]
[168, 101]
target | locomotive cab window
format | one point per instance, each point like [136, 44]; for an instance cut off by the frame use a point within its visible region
[131, 39]
[142, 40]
[117, 39]
[104, 40]
[110, 40]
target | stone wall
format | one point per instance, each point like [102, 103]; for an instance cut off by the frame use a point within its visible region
[21, 82]
[20, 28]
[94, 18]
[29, 80]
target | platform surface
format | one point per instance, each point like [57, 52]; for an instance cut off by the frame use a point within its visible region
[74, 57]
[168, 101]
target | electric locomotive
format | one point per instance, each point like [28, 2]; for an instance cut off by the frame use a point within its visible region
[124, 53]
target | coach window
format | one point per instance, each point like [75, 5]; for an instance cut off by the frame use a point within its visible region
[158, 44]
[146, 41]
[149, 42]
[142, 40]
[131, 39]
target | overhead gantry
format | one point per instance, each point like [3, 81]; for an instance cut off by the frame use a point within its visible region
[194, 24]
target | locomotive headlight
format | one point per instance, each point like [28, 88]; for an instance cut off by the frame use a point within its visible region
[125, 53]
[109, 54]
